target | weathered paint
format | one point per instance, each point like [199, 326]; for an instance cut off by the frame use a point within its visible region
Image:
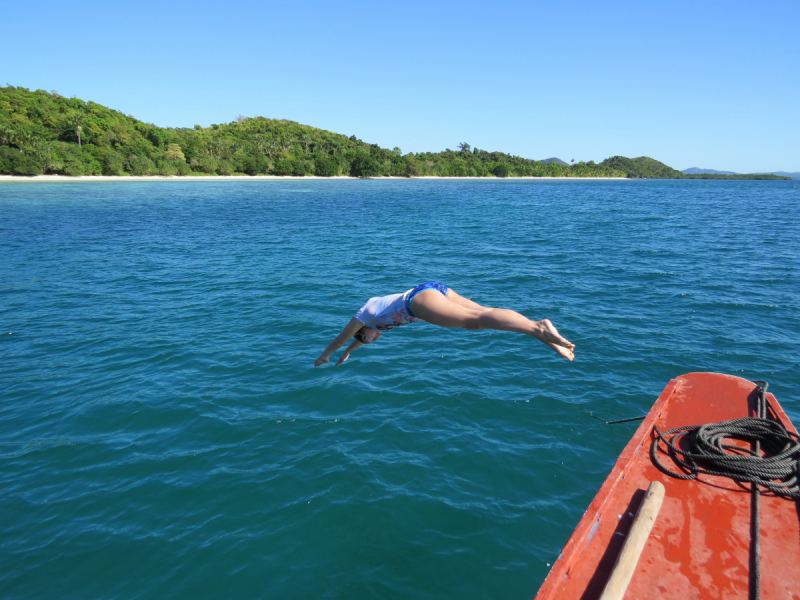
[700, 544]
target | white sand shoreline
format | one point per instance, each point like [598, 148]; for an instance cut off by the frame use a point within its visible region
[98, 178]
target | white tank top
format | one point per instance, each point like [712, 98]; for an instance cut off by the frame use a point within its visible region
[385, 312]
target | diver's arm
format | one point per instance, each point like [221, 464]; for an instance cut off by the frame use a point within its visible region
[349, 331]
[346, 354]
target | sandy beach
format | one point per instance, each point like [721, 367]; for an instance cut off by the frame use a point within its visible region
[86, 178]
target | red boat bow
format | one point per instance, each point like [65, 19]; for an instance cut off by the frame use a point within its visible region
[700, 544]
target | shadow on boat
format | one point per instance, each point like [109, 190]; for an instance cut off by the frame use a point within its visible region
[598, 581]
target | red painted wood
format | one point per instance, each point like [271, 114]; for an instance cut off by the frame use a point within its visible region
[700, 544]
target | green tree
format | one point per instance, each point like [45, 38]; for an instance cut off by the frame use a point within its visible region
[500, 170]
[167, 168]
[139, 165]
[225, 168]
[325, 165]
[157, 136]
[364, 165]
[113, 164]
[206, 164]
[174, 152]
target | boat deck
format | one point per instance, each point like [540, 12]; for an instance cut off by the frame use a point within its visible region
[700, 544]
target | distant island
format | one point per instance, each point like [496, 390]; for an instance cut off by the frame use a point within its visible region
[44, 133]
[698, 171]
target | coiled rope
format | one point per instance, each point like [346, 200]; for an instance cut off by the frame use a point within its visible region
[707, 454]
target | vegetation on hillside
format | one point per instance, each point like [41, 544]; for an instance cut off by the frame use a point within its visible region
[642, 167]
[44, 133]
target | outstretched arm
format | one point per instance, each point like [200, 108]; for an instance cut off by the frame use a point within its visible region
[346, 354]
[349, 331]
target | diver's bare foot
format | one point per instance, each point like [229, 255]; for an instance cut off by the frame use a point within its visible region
[565, 352]
[550, 336]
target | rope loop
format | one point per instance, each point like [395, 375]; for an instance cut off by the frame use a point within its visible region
[707, 451]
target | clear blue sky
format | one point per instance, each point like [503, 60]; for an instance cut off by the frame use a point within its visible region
[706, 84]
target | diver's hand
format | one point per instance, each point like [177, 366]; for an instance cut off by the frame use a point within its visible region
[322, 360]
[342, 358]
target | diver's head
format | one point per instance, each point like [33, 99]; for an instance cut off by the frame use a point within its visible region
[367, 335]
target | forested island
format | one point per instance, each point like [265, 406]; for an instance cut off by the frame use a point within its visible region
[45, 133]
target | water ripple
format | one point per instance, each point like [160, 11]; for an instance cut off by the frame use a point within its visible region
[161, 416]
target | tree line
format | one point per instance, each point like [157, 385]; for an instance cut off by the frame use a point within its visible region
[45, 133]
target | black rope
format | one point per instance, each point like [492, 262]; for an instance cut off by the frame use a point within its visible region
[708, 454]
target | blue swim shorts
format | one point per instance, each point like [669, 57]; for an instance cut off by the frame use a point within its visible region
[430, 285]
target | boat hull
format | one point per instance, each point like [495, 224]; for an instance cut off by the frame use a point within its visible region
[700, 544]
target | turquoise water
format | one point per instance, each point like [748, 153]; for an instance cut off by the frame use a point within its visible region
[164, 432]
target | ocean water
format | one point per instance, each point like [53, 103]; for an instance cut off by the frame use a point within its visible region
[164, 434]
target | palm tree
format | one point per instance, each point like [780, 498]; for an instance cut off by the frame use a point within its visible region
[43, 157]
[75, 119]
[214, 145]
[7, 135]
[25, 138]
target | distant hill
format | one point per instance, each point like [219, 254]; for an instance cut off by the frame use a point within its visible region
[554, 160]
[44, 133]
[646, 167]
[642, 167]
[698, 171]
[795, 175]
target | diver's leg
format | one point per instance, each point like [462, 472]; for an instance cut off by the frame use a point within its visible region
[465, 302]
[433, 307]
